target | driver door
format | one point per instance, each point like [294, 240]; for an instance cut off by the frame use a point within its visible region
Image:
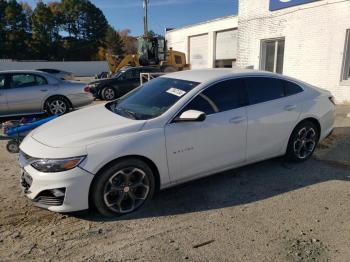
[198, 148]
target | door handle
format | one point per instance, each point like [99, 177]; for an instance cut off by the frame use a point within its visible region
[238, 119]
[290, 107]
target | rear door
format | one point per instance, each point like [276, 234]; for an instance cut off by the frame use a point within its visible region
[27, 93]
[272, 114]
[3, 99]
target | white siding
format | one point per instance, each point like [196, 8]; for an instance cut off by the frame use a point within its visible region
[199, 51]
[226, 47]
[179, 39]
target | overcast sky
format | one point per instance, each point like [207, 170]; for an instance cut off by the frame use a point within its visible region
[123, 14]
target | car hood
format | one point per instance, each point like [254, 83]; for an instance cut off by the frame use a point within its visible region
[84, 127]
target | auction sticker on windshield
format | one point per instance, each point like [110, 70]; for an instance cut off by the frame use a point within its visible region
[175, 91]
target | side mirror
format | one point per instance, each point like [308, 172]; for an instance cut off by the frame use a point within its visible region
[191, 116]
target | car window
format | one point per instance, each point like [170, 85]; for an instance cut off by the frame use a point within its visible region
[2, 81]
[291, 88]
[223, 96]
[262, 89]
[26, 80]
[152, 98]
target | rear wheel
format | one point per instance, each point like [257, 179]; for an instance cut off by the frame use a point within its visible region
[302, 142]
[108, 93]
[57, 106]
[123, 188]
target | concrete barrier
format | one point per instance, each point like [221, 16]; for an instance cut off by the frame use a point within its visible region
[79, 68]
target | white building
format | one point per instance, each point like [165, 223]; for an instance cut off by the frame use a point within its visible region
[209, 44]
[306, 39]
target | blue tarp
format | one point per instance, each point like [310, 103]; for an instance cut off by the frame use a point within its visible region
[24, 129]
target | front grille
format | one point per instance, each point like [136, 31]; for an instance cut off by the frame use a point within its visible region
[49, 201]
[53, 197]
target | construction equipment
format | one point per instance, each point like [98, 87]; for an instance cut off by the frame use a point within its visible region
[151, 52]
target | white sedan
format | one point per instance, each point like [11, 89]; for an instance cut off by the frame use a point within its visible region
[176, 128]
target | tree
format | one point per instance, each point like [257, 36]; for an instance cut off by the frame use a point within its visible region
[45, 32]
[86, 27]
[16, 35]
[3, 5]
[130, 42]
[114, 42]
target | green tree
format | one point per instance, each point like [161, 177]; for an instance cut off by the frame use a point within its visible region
[3, 5]
[16, 35]
[45, 32]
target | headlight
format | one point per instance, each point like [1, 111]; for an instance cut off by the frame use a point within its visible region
[57, 165]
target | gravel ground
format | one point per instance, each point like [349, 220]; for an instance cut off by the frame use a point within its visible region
[269, 211]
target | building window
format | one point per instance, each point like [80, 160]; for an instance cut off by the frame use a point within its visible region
[346, 63]
[272, 53]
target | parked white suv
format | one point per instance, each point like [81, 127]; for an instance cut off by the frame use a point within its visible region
[173, 129]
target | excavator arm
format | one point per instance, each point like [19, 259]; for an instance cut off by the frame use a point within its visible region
[115, 63]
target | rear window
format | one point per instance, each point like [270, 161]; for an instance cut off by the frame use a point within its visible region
[262, 89]
[292, 88]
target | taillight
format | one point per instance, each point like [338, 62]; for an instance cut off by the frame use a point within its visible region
[87, 89]
[332, 99]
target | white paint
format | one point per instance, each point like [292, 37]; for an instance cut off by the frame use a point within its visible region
[79, 68]
[180, 151]
[225, 49]
[179, 39]
[199, 51]
[314, 40]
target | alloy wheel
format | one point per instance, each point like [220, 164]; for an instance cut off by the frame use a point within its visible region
[305, 142]
[57, 107]
[126, 190]
[109, 94]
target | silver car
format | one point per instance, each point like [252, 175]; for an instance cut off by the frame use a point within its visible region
[58, 73]
[35, 92]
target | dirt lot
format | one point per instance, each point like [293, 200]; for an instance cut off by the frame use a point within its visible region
[270, 211]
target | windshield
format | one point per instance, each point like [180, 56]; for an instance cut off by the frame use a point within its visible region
[151, 99]
[116, 75]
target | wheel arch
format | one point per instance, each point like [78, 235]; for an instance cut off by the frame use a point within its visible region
[313, 120]
[148, 161]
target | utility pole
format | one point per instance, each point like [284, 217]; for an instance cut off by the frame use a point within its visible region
[145, 18]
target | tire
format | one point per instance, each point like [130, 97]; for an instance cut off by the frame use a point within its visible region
[133, 187]
[12, 147]
[108, 93]
[302, 142]
[57, 106]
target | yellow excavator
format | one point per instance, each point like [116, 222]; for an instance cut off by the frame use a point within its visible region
[152, 51]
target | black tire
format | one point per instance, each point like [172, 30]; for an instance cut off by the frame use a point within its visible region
[302, 142]
[57, 105]
[119, 200]
[12, 146]
[108, 93]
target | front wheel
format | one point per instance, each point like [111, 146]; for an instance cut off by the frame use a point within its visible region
[302, 142]
[123, 188]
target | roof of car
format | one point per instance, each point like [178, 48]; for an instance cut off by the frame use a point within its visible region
[205, 75]
[22, 71]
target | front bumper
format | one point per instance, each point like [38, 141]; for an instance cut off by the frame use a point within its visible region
[74, 184]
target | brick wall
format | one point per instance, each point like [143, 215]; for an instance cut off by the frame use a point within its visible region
[314, 40]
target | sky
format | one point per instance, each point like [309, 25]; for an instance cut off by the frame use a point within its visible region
[122, 14]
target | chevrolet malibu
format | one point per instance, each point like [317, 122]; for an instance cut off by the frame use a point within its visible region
[176, 128]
